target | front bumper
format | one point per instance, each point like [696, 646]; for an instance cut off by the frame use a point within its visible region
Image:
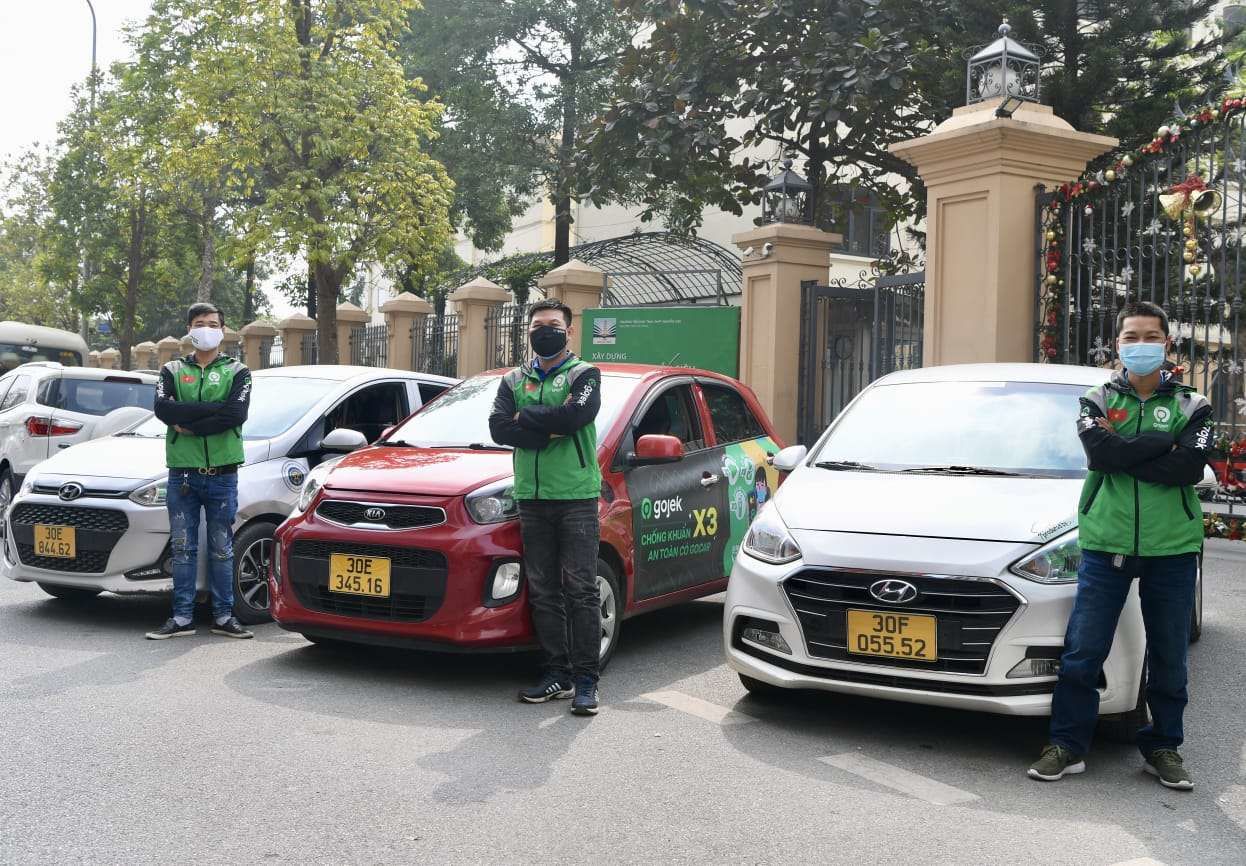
[756, 590]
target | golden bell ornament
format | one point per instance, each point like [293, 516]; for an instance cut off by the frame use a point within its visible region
[1194, 270]
[1051, 235]
[1189, 257]
[1051, 279]
[1191, 244]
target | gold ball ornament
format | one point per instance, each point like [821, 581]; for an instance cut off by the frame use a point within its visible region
[1052, 279]
[1194, 270]
[1051, 235]
[1163, 131]
[1188, 230]
[1215, 114]
[1127, 160]
[1191, 244]
[1189, 257]
[1109, 175]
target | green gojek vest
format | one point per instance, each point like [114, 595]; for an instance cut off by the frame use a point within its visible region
[195, 384]
[567, 467]
[1118, 513]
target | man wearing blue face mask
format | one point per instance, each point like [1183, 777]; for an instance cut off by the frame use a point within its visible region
[1146, 438]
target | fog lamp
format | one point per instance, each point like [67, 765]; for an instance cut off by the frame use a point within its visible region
[1035, 668]
[505, 581]
[766, 637]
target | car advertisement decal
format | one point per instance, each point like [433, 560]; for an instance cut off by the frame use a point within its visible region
[294, 473]
[750, 482]
[680, 526]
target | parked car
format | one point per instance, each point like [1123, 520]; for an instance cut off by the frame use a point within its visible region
[21, 344]
[428, 513]
[925, 549]
[110, 494]
[46, 407]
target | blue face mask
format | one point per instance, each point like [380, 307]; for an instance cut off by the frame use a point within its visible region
[1142, 358]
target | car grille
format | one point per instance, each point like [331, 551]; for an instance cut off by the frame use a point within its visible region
[97, 531]
[970, 615]
[395, 516]
[417, 581]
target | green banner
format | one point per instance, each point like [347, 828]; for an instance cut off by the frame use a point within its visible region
[704, 337]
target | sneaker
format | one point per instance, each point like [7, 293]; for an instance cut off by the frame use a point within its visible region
[1056, 763]
[585, 701]
[548, 689]
[1166, 765]
[172, 629]
[231, 628]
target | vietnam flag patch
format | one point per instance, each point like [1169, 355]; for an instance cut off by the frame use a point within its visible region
[1116, 416]
[530, 386]
[188, 378]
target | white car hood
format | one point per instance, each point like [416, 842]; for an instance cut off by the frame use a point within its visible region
[122, 458]
[970, 507]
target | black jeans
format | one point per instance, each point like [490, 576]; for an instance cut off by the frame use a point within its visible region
[560, 543]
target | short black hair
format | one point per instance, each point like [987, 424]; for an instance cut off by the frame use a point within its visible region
[550, 304]
[1142, 308]
[203, 308]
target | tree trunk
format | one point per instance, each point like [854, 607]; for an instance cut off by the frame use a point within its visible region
[135, 262]
[248, 292]
[207, 249]
[311, 291]
[328, 284]
[570, 120]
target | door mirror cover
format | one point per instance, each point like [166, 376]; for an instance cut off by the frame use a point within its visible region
[789, 458]
[343, 440]
[655, 449]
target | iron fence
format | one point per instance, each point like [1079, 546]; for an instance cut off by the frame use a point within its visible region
[311, 348]
[369, 345]
[435, 345]
[506, 335]
[270, 352]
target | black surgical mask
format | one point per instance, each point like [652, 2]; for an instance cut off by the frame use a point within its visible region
[548, 341]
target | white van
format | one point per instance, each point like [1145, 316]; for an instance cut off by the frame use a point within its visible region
[21, 343]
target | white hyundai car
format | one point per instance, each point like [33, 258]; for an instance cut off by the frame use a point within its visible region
[925, 550]
[110, 493]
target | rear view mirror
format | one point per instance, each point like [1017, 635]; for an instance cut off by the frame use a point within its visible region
[1210, 481]
[653, 449]
[343, 440]
[789, 458]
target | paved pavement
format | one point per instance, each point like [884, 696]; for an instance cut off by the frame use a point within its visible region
[120, 750]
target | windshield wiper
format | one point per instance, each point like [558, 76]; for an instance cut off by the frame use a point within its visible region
[396, 443]
[481, 446]
[962, 470]
[841, 465]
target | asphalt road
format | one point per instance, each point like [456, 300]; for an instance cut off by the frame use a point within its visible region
[120, 750]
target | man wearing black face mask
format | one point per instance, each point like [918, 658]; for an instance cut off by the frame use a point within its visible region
[546, 411]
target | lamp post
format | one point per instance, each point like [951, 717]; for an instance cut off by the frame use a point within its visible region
[1005, 68]
[787, 198]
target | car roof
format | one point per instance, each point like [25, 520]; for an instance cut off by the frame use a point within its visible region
[348, 372]
[1053, 374]
[636, 371]
[55, 367]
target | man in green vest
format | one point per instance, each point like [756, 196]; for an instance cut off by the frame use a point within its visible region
[204, 399]
[1146, 438]
[546, 411]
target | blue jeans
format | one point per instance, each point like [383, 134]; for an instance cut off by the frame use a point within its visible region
[216, 495]
[1166, 589]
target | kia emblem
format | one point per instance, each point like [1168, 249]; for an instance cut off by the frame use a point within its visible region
[69, 492]
[893, 591]
[376, 515]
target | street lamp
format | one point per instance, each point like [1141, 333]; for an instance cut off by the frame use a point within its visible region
[787, 197]
[1004, 69]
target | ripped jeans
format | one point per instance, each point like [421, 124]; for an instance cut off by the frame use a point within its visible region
[217, 495]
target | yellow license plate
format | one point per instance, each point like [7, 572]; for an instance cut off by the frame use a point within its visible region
[57, 541]
[359, 575]
[894, 635]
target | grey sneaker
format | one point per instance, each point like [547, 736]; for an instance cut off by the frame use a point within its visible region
[1166, 765]
[1056, 763]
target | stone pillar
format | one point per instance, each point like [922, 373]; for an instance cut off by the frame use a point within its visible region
[474, 300]
[231, 344]
[143, 356]
[292, 329]
[110, 359]
[579, 286]
[783, 256]
[980, 173]
[349, 317]
[402, 314]
[93, 358]
[167, 349]
[253, 336]
[185, 346]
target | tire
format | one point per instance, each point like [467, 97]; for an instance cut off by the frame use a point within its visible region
[612, 603]
[1124, 727]
[253, 548]
[69, 593]
[6, 499]
[762, 690]
[1196, 615]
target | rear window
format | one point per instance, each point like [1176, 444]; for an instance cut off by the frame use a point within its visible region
[96, 396]
[14, 354]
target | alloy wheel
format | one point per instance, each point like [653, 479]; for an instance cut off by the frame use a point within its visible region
[6, 499]
[609, 614]
[253, 568]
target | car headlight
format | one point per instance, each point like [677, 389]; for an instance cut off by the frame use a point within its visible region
[153, 495]
[768, 538]
[493, 503]
[1056, 562]
[311, 486]
[28, 484]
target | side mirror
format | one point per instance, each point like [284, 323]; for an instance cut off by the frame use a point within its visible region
[789, 458]
[652, 450]
[343, 441]
[1210, 481]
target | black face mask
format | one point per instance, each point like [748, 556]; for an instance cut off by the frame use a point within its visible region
[548, 341]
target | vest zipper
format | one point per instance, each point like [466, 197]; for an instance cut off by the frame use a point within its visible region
[579, 452]
[1090, 500]
[1137, 507]
[536, 460]
[207, 461]
[1184, 503]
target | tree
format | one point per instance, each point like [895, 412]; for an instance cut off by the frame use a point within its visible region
[24, 214]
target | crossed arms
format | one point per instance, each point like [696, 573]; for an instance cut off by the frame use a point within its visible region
[1156, 457]
[203, 419]
[533, 426]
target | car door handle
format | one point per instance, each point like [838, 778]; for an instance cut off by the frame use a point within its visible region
[709, 480]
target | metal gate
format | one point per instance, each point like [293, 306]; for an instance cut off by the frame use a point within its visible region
[850, 336]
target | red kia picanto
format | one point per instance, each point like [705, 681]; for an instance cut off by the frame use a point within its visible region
[414, 541]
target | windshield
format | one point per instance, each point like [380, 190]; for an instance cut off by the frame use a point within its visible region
[13, 354]
[460, 417]
[97, 396]
[1021, 427]
[277, 404]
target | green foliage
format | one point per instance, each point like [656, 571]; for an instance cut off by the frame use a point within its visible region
[24, 215]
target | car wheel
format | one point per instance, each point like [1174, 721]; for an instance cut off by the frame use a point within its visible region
[1124, 727]
[69, 593]
[1196, 615]
[6, 499]
[611, 600]
[253, 551]
[762, 690]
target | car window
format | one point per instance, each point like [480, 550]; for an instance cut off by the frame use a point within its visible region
[21, 387]
[370, 410]
[96, 396]
[277, 404]
[14, 355]
[428, 391]
[733, 420]
[5, 384]
[673, 414]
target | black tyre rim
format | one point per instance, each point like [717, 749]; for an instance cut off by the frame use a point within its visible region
[253, 567]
